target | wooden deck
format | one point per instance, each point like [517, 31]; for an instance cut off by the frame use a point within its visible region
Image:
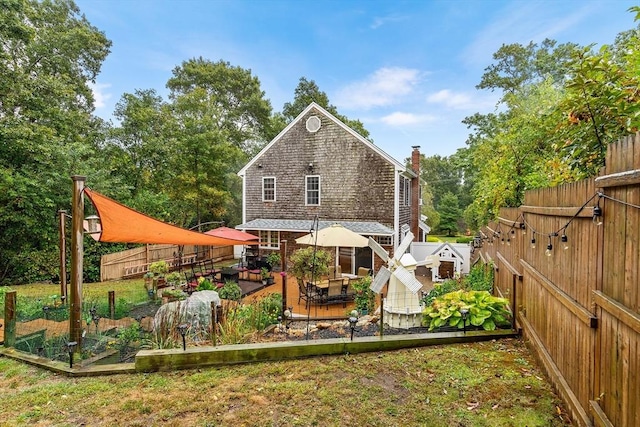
[299, 310]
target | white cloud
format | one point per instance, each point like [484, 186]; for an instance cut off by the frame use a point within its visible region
[403, 119]
[464, 101]
[100, 94]
[384, 87]
[380, 21]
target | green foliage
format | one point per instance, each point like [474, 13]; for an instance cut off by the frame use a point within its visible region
[464, 239]
[159, 268]
[364, 297]
[450, 213]
[174, 278]
[439, 289]
[231, 291]
[484, 310]
[273, 259]
[174, 294]
[127, 337]
[433, 239]
[204, 284]
[310, 261]
[480, 278]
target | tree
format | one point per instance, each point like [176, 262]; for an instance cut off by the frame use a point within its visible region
[307, 92]
[216, 114]
[49, 53]
[449, 213]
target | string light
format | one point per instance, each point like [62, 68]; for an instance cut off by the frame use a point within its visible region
[549, 250]
[533, 242]
[565, 241]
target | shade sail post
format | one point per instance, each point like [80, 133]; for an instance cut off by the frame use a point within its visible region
[77, 248]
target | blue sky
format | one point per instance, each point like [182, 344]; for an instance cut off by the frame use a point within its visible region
[406, 69]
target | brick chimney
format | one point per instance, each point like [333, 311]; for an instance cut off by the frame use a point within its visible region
[415, 192]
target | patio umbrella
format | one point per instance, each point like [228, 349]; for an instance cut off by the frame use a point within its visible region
[335, 235]
[232, 233]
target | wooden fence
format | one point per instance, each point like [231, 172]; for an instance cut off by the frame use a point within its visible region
[579, 307]
[135, 262]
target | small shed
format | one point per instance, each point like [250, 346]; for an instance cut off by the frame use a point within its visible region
[451, 263]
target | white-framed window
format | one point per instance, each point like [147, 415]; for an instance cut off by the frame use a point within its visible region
[384, 240]
[407, 192]
[269, 239]
[312, 190]
[269, 189]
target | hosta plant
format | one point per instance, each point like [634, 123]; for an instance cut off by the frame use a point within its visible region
[483, 310]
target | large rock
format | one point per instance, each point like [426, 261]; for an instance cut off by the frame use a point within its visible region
[194, 311]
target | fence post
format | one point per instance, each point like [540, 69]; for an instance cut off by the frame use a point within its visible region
[10, 319]
[112, 304]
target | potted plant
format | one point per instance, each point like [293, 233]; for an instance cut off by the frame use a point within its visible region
[309, 263]
[267, 279]
[273, 259]
[159, 269]
[173, 278]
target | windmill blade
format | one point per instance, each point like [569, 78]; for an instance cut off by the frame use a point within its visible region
[404, 245]
[375, 246]
[407, 279]
[380, 280]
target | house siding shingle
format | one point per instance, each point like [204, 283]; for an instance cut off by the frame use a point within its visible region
[356, 183]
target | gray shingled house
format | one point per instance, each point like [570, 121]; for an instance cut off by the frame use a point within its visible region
[317, 167]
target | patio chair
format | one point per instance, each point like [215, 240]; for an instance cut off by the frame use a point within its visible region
[363, 271]
[334, 292]
[306, 293]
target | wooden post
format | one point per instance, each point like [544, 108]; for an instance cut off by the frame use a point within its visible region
[10, 319]
[63, 254]
[283, 273]
[381, 314]
[214, 322]
[112, 304]
[77, 249]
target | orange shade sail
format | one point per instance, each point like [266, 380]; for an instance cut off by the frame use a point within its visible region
[120, 224]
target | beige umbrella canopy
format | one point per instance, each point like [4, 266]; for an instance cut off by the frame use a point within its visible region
[335, 235]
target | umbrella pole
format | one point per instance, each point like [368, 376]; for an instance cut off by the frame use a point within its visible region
[314, 225]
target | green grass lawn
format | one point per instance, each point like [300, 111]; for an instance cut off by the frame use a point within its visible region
[482, 384]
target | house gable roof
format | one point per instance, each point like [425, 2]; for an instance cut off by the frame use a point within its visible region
[397, 165]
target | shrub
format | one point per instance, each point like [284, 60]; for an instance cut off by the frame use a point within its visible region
[480, 278]
[432, 239]
[159, 268]
[363, 296]
[303, 263]
[231, 291]
[204, 284]
[484, 310]
[464, 239]
[440, 289]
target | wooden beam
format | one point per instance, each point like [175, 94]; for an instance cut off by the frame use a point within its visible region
[620, 179]
[621, 312]
[510, 267]
[571, 304]
[577, 410]
[599, 417]
[568, 211]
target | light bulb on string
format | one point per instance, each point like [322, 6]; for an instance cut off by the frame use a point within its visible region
[549, 250]
[565, 241]
[597, 214]
[533, 242]
[523, 228]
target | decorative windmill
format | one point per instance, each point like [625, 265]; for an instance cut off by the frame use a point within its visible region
[402, 305]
